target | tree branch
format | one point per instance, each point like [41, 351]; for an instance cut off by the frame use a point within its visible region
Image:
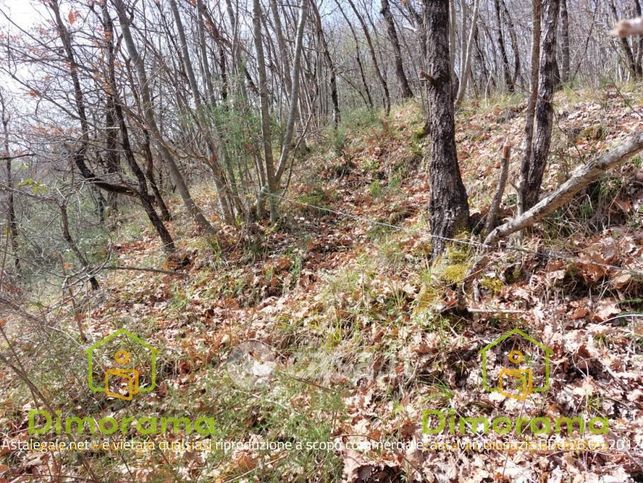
[582, 177]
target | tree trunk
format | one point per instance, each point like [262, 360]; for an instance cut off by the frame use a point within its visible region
[11, 210]
[453, 27]
[74, 248]
[514, 42]
[217, 171]
[564, 42]
[286, 142]
[281, 44]
[466, 64]
[119, 122]
[329, 60]
[149, 172]
[405, 89]
[146, 199]
[376, 64]
[531, 104]
[358, 56]
[544, 112]
[266, 130]
[203, 52]
[148, 113]
[503, 51]
[449, 207]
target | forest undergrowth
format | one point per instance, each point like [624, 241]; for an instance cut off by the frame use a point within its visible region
[334, 325]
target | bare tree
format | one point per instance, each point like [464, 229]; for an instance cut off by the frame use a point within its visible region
[150, 119]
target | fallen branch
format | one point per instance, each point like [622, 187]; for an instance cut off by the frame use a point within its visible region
[579, 180]
[502, 183]
[17, 156]
[143, 269]
[496, 311]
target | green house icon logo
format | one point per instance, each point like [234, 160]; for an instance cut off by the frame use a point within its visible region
[525, 369]
[121, 366]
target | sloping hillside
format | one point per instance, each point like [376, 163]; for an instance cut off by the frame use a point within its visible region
[337, 333]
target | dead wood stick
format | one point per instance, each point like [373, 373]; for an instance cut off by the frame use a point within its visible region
[583, 176]
[502, 183]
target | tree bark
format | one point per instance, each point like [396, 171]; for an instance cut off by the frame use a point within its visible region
[492, 214]
[514, 42]
[544, 112]
[405, 88]
[149, 172]
[531, 104]
[564, 42]
[503, 51]
[449, 207]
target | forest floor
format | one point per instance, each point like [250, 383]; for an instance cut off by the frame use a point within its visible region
[335, 328]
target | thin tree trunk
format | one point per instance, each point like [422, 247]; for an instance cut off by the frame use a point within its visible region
[464, 75]
[531, 104]
[149, 172]
[266, 130]
[148, 112]
[294, 93]
[11, 210]
[453, 25]
[492, 214]
[119, 121]
[203, 52]
[544, 112]
[503, 51]
[376, 64]
[281, 44]
[564, 42]
[74, 248]
[79, 156]
[449, 208]
[358, 56]
[331, 65]
[111, 130]
[405, 89]
[514, 42]
[219, 178]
